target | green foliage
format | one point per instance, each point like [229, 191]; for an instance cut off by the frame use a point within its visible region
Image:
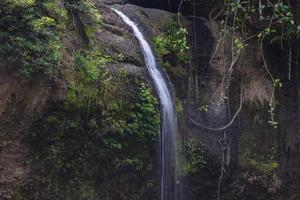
[18, 196]
[173, 42]
[146, 119]
[28, 38]
[31, 31]
[195, 157]
[239, 43]
[87, 14]
[278, 17]
[87, 144]
[283, 17]
[95, 88]
[90, 64]
[203, 108]
[22, 3]
[263, 161]
[94, 18]
[57, 11]
[179, 106]
[267, 21]
[172, 46]
[162, 45]
[81, 153]
[42, 23]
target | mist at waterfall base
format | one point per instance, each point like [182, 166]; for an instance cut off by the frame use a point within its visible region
[170, 181]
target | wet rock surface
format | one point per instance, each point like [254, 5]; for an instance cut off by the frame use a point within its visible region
[250, 137]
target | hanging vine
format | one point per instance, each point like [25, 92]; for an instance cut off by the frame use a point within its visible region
[275, 22]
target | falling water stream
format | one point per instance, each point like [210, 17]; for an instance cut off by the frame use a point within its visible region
[169, 169]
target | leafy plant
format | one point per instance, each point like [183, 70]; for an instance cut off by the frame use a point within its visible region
[145, 120]
[29, 39]
[278, 16]
[87, 14]
[31, 31]
[195, 156]
[179, 106]
[91, 64]
[173, 42]
[266, 162]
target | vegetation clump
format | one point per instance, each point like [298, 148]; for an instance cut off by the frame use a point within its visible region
[86, 145]
[173, 48]
[85, 16]
[195, 155]
[173, 42]
[29, 40]
[31, 31]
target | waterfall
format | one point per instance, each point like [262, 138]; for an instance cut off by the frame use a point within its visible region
[169, 169]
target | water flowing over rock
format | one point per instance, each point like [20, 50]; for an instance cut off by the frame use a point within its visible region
[169, 176]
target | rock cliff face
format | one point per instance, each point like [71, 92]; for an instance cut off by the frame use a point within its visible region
[255, 154]
[21, 104]
[258, 161]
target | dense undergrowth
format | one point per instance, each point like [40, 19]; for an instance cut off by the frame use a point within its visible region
[31, 31]
[86, 147]
[98, 143]
[29, 34]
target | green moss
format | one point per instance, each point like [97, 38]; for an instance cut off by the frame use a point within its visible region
[18, 196]
[86, 191]
[264, 161]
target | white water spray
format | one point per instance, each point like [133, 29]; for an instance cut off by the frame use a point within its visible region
[169, 169]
